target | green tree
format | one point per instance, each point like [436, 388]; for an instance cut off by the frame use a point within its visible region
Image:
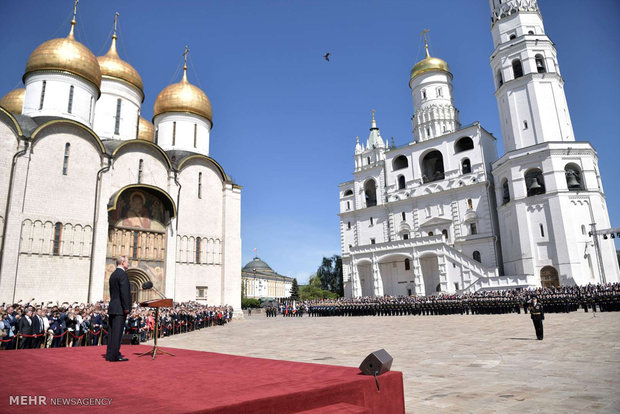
[313, 290]
[330, 274]
[295, 290]
[250, 303]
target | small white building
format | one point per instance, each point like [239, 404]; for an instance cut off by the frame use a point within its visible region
[260, 281]
[84, 179]
[444, 214]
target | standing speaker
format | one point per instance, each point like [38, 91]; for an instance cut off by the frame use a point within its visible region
[378, 362]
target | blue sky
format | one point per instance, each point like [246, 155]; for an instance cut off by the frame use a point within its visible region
[285, 120]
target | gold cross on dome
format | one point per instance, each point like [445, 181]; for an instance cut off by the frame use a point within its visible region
[185, 54]
[75, 8]
[424, 32]
[115, 22]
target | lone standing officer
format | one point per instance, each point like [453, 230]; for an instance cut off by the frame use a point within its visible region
[120, 305]
[537, 314]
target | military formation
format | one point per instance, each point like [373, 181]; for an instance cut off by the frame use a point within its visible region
[603, 298]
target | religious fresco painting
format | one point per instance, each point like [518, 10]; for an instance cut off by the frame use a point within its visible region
[138, 209]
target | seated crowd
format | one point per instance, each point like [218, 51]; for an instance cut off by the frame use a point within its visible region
[605, 298]
[52, 325]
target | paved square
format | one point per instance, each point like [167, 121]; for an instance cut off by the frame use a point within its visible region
[451, 364]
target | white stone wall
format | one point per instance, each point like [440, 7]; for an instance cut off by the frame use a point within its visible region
[181, 137]
[105, 111]
[56, 99]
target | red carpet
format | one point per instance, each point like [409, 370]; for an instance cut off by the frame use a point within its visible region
[191, 381]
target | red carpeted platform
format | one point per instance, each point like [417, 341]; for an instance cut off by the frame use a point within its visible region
[191, 381]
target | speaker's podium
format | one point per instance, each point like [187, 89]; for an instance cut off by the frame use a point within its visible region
[156, 304]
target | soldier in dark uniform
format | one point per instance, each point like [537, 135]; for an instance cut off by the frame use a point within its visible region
[537, 314]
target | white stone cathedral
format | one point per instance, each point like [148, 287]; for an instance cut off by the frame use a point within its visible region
[84, 179]
[445, 214]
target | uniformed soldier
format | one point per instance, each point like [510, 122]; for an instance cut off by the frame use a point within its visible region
[537, 314]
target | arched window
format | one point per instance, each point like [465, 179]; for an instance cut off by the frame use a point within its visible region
[174, 132]
[399, 163]
[198, 248]
[403, 216]
[137, 124]
[432, 167]
[505, 191]
[466, 166]
[513, 36]
[65, 161]
[401, 182]
[348, 205]
[534, 182]
[463, 144]
[140, 165]
[473, 228]
[444, 233]
[517, 68]
[574, 179]
[583, 229]
[370, 193]
[134, 248]
[542, 231]
[57, 239]
[423, 93]
[348, 225]
[42, 95]
[195, 135]
[540, 64]
[70, 104]
[430, 233]
[117, 118]
[500, 78]
[348, 193]
[157, 136]
[407, 264]
[477, 256]
[470, 203]
[199, 185]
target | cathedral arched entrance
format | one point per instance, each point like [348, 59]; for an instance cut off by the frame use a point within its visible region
[138, 277]
[364, 271]
[430, 274]
[139, 220]
[396, 271]
[549, 277]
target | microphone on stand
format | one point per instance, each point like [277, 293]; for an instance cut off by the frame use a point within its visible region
[149, 285]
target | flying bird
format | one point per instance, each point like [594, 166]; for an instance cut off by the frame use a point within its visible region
[326, 56]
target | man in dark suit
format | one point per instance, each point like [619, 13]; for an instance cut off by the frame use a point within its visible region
[37, 328]
[119, 307]
[25, 328]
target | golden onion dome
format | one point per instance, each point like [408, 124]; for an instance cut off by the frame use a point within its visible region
[183, 97]
[14, 101]
[112, 66]
[146, 130]
[65, 55]
[429, 64]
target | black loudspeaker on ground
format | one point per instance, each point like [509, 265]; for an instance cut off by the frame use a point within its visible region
[377, 363]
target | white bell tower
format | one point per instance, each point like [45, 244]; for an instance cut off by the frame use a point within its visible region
[548, 186]
[529, 86]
